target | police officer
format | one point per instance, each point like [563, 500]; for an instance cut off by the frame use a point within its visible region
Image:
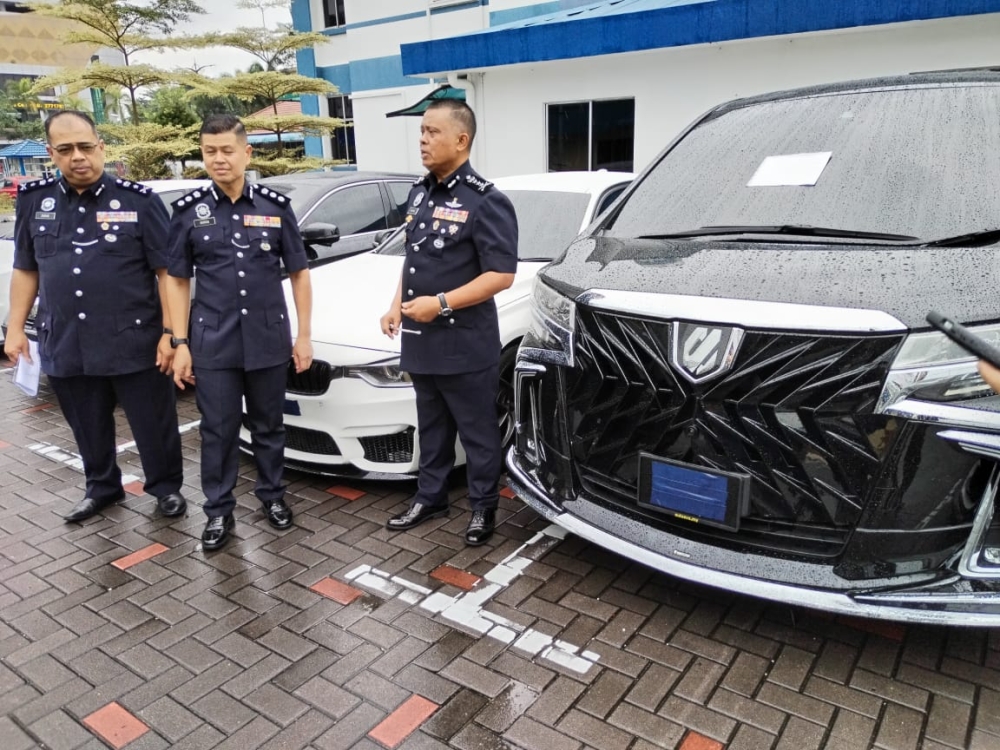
[461, 251]
[238, 235]
[91, 247]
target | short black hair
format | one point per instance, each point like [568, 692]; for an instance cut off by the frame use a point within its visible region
[75, 113]
[225, 123]
[461, 112]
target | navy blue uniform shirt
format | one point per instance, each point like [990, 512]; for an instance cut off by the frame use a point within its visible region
[239, 318]
[96, 254]
[456, 229]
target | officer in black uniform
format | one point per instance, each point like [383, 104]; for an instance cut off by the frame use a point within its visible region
[91, 247]
[461, 251]
[237, 235]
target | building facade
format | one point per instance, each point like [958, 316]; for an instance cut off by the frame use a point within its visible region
[608, 83]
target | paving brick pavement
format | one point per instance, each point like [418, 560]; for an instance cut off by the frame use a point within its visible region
[121, 632]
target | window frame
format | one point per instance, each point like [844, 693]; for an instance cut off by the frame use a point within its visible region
[590, 128]
[333, 14]
[340, 188]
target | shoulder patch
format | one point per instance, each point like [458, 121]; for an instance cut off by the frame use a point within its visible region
[272, 195]
[186, 201]
[27, 187]
[478, 183]
[136, 187]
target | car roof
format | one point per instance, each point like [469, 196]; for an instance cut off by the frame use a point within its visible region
[937, 79]
[564, 182]
[336, 177]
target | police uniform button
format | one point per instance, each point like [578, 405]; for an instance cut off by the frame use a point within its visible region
[82, 316]
[412, 269]
[416, 249]
[410, 292]
[237, 235]
[76, 271]
[451, 320]
[80, 230]
[264, 233]
[239, 255]
[138, 322]
[41, 228]
[206, 238]
[79, 251]
[79, 292]
[82, 210]
[236, 217]
[430, 203]
[243, 292]
[422, 225]
[241, 274]
[201, 320]
[243, 311]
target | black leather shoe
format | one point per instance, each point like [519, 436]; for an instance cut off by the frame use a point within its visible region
[216, 532]
[171, 505]
[416, 515]
[89, 507]
[480, 527]
[278, 514]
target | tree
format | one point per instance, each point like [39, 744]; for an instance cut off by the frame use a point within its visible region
[146, 148]
[127, 28]
[275, 48]
[170, 105]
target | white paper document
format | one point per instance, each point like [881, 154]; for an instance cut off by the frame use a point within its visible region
[790, 169]
[27, 374]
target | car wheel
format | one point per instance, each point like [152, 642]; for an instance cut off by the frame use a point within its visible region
[505, 396]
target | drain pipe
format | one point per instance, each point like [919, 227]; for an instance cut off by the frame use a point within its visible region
[473, 97]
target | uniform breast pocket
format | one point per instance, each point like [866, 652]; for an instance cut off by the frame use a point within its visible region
[203, 326]
[438, 245]
[265, 240]
[45, 237]
[120, 239]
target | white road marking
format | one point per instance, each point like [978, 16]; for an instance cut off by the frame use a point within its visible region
[467, 608]
[181, 430]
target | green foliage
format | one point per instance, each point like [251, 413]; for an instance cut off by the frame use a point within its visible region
[169, 105]
[145, 149]
[269, 166]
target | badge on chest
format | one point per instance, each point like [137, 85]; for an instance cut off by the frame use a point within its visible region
[450, 214]
[261, 221]
[112, 217]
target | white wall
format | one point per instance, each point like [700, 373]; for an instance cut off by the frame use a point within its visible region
[390, 144]
[672, 87]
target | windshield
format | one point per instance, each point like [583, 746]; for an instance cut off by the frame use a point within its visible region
[547, 222]
[302, 195]
[919, 162]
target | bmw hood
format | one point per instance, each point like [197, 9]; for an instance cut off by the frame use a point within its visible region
[903, 282]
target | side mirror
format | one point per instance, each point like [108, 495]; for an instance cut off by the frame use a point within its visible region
[320, 233]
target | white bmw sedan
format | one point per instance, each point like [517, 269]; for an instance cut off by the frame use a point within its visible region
[353, 412]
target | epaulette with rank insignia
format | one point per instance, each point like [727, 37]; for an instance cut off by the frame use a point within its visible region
[186, 201]
[137, 187]
[272, 195]
[27, 187]
[479, 184]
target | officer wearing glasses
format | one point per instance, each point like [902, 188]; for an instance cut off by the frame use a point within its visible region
[92, 248]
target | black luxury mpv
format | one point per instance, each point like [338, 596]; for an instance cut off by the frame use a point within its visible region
[730, 378]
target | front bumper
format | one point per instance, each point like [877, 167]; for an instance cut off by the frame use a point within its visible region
[935, 599]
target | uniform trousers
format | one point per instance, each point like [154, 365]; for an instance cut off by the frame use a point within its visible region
[219, 395]
[149, 401]
[462, 404]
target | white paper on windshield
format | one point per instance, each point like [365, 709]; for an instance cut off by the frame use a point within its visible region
[790, 169]
[27, 374]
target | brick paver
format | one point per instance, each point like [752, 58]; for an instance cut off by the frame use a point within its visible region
[121, 632]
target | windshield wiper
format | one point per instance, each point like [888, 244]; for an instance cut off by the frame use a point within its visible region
[973, 239]
[802, 230]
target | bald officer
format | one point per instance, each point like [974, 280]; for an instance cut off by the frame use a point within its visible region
[461, 251]
[92, 247]
[238, 235]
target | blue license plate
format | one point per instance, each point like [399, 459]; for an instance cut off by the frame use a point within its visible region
[693, 494]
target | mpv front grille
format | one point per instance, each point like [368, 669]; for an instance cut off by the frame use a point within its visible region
[313, 382]
[795, 413]
[396, 448]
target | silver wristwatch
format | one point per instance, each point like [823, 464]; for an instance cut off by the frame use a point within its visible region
[445, 310]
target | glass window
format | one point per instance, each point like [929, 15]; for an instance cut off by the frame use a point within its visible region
[354, 210]
[609, 197]
[399, 193]
[334, 10]
[586, 136]
[342, 139]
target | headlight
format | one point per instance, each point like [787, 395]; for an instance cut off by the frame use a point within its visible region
[553, 321]
[381, 375]
[931, 367]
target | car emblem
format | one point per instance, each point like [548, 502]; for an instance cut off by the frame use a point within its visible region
[48, 204]
[202, 211]
[700, 352]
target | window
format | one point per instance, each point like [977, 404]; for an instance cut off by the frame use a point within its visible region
[399, 196]
[588, 136]
[342, 139]
[354, 210]
[334, 10]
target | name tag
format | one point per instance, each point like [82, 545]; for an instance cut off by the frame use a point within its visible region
[450, 214]
[110, 217]
[204, 222]
[46, 215]
[261, 221]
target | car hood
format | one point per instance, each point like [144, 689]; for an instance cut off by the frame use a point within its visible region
[351, 295]
[903, 282]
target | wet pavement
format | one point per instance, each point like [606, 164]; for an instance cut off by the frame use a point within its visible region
[122, 632]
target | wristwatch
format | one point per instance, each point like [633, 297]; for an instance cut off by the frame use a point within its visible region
[445, 310]
[177, 342]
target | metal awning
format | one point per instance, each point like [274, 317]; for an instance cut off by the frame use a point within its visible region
[418, 108]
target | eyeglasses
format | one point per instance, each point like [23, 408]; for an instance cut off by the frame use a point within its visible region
[65, 149]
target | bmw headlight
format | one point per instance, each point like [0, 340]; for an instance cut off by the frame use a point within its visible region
[553, 322]
[931, 367]
[381, 375]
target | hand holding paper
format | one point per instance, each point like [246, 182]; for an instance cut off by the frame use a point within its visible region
[27, 374]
